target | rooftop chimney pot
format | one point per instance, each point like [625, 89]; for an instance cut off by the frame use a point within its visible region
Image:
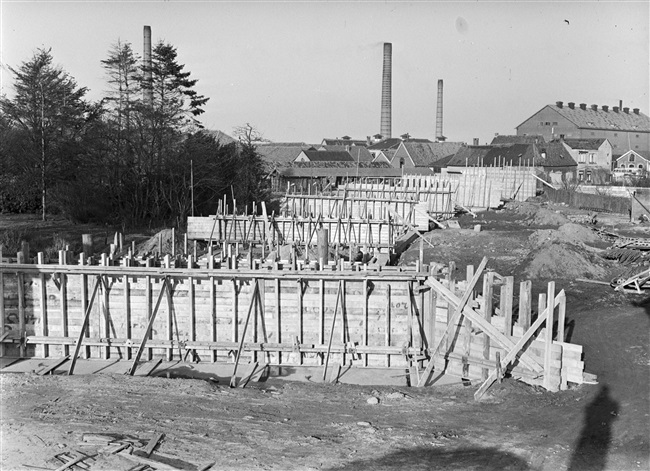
[583, 106]
[626, 110]
[616, 108]
[572, 105]
[636, 110]
[559, 104]
[594, 107]
[605, 108]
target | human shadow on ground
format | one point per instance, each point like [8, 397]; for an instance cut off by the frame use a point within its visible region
[465, 459]
[591, 450]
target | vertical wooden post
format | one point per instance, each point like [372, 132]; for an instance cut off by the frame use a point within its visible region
[548, 339]
[388, 323]
[192, 307]
[149, 304]
[63, 293]
[21, 313]
[173, 242]
[507, 293]
[365, 318]
[321, 323]
[277, 314]
[235, 314]
[488, 291]
[213, 316]
[24, 248]
[127, 313]
[43, 301]
[323, 247]
[84, 300]
[300, 318]
[525, 298]
[561, 318]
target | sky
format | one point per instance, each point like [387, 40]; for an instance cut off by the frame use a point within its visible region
[306, 70]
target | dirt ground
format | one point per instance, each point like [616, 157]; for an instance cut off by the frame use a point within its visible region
[278, 425]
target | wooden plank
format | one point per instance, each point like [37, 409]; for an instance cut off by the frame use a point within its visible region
[525, 298]
[329, 344]
[488, 291]
[387, 323]
[145, 337]
[21, 313]
[253, 304]
[507, 293]
[458, 309]
[153, 442]
[213, 316]
[53, 366]
[548, 339]
[514, 352]
[84, 326]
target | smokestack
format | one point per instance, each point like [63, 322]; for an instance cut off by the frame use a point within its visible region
[148, 89]
[439, 136]
[475, 141]
[386, 79]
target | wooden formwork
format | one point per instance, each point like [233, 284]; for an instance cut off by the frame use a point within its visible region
[393, 319]
[294, 230]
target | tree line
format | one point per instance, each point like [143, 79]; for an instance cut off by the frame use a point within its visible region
[139, 155]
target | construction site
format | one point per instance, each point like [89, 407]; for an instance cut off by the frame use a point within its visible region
[390, 314]
[452, 324]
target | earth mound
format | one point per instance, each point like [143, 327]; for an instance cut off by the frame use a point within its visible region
[563, 261]
[569, 233]
[535, 215]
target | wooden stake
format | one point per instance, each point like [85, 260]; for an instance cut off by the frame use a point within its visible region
[329, 345]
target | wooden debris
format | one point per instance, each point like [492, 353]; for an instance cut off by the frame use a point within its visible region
[152, 443]
[52, 366]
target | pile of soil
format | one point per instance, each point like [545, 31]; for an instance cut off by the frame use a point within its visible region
[564, 261]
[569, 233]
[536, 215]
[152, 245]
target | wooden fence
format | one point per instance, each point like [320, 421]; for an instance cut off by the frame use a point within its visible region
[290, 317]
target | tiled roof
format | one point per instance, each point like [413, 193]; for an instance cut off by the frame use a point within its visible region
[487, 156]
[340, 169]
[589, 144]
[360, 154]
[274, 156]
[600, 119]
[391, 143]
[424, 154]
[343, 142]
[557, 156]
[530, 139]
[328, 156]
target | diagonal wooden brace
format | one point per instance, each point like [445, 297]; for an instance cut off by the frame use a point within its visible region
[254, 303]
[514, 353]
[459, 305]
[147, 332]
[84, 326]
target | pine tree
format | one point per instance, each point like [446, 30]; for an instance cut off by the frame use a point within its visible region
[50, 108]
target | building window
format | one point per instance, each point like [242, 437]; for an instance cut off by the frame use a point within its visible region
[588, 177]
[561, 136]
[582, 157]
[580, 175]
[592, 158]
[547, 123]
[401, 162]
[541, 123]
[554, 123]
[630, 158]
[631, 165]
